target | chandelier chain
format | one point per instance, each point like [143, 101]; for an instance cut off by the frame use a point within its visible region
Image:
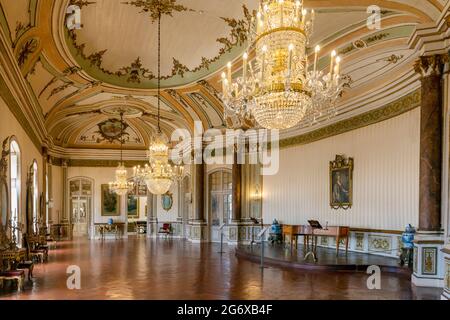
[159, 68]
[121, 136]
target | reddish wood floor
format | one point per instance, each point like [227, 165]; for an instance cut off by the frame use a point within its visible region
[139, 268]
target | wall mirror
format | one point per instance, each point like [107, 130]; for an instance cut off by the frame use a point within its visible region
[4, 203]
[4, 198]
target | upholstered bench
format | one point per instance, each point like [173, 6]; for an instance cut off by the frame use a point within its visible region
[17, 275]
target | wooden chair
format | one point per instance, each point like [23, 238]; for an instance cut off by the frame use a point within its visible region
[14, 275]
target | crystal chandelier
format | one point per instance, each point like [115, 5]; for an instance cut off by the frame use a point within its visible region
[159, 174]
[121, 185]
[278, 91]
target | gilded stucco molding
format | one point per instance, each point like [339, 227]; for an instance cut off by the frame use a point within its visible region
[431, 65]
[402, 105]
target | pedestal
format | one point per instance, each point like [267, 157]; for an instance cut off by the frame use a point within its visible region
[428, 266]
[152, 228]
[198, 231]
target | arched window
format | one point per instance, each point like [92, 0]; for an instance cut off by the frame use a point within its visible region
[15, 181]
[35, 196]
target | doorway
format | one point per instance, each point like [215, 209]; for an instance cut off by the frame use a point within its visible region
[80, 206]
[220, 201]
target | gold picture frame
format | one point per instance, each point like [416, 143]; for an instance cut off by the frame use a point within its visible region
[132, 206]
[341, 183]
[110, 202]
[167, 201]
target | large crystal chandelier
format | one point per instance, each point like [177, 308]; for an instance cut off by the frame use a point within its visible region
[278, 91]
[159, 173]
[121, 185]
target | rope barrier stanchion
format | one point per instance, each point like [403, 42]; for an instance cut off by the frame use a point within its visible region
[221, 237]
[261, 237]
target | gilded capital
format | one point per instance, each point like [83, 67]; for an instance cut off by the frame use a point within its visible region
[431, 65]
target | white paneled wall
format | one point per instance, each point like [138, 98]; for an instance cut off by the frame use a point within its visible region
[385, 178]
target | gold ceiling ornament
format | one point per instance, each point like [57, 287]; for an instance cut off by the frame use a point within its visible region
[81, 3]
[29, 47]
[156, 7]
[121, 185]
[159, 174]
[279, 91]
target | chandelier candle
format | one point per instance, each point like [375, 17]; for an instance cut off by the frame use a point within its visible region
[333, 54]
[316, 53]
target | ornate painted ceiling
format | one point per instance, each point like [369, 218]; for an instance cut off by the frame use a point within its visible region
[74, 78]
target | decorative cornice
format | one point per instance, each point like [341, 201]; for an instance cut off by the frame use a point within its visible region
[102, 163]
[402, 105]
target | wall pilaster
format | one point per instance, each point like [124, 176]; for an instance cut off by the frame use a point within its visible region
[428, 268]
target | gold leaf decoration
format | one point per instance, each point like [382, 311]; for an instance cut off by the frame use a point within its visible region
[81, 3]
[239, 30]
[29, 47]
[166, 7]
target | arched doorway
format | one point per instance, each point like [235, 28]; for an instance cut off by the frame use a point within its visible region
[80, 205]
[220, 201]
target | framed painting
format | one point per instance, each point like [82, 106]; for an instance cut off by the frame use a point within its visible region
[110, 202]
[132, 206]
[132, 192]
[341, 183]
[167, 201]
[142, 190]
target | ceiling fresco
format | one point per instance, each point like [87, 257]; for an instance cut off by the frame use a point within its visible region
[188, 52]
[73, 77]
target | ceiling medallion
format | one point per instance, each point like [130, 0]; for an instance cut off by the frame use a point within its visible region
[128, 112]
[111, 130]
[279, 91]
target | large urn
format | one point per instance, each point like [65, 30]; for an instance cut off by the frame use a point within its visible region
[408, 237]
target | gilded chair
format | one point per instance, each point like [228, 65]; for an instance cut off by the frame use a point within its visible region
[14, 275]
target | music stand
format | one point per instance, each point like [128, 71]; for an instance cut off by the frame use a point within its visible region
[314, 225]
